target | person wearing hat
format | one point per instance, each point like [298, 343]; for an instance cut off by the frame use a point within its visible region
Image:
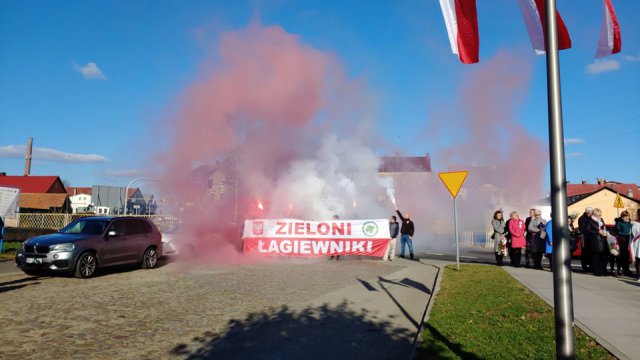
[585, 256]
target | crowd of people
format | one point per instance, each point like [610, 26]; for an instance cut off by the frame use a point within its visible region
[601, 247]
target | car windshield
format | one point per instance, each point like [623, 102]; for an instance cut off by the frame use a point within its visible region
[85, 226]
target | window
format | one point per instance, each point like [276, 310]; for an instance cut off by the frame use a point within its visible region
[145, 227]
[132, 227]
[83, 226]
[119, 227]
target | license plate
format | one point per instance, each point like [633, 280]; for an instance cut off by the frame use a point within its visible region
[34, 261]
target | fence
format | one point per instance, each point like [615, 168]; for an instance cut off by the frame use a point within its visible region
[466, 238]
[165, 223]
[58, 221]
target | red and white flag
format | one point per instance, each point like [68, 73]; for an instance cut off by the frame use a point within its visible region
[610, 41]
[461, 19]
[533, 12]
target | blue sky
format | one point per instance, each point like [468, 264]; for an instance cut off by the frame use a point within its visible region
[147, 52]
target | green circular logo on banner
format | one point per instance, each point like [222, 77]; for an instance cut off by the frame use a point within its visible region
[370, 228]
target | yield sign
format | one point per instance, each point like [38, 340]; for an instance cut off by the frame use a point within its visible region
[453, 181]
[618, 203]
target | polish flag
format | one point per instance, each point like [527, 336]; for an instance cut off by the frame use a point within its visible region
[461, 19]
[610, 41]
[533, 12]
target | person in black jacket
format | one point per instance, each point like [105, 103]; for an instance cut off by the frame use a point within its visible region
[406, 233]
[596, 234]
[585, 255]
[394, 230]
[528, 254]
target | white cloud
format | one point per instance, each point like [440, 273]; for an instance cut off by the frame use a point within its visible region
[90, 71]
[600, 66]
[574, 154]
[46, 154]
[634, 58]
[125, 173]
[573, 141]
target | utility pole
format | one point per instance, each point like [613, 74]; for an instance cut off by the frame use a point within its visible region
[27, 164]
[562, 291]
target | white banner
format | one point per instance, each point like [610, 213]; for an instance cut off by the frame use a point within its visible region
[301, 229]
[8, 201]
[290, 237]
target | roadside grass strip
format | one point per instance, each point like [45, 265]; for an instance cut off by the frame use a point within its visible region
[9, 249]
[481, 312]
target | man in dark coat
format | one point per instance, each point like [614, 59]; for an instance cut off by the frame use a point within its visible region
[596, 234]
[585, 255]
[406, 233]
[394, 230]
[528, 254]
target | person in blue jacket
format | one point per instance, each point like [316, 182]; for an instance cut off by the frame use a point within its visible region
[549, 242]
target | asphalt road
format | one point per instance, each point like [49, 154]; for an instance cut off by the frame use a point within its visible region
[467, 255]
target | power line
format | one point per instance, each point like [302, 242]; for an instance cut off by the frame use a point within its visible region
[606, 123]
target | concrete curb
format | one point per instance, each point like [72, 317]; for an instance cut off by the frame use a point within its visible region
[612, 349]
[418, 340]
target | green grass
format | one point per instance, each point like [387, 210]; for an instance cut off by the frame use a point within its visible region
[9, 249]
[481, 312]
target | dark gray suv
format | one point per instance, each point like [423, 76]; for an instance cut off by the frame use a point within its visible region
[90, 243]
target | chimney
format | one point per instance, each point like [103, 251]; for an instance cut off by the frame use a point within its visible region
[630, 193]
[27, 165]
[600, 181]
[584, 182]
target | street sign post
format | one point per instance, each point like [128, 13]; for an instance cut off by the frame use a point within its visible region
[618, 204]
[453, 182]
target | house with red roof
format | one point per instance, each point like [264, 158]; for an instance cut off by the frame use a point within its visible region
[603, 195]
[38, 194]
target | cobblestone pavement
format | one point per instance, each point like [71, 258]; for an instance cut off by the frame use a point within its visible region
[159, 313]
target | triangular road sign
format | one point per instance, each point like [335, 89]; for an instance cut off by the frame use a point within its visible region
[618, 203]
[453, 181]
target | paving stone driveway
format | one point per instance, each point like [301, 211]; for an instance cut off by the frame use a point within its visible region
[161, 313]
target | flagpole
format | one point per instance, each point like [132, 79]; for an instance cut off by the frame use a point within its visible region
[562, 291]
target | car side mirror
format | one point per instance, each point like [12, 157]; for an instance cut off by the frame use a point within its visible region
[111, 234]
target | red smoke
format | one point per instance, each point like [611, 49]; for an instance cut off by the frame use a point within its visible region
[506, 163]
[252, 110]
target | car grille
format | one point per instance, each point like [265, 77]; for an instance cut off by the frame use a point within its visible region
[40, 249]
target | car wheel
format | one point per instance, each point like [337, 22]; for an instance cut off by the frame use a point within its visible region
[150, 258]
[86, 265]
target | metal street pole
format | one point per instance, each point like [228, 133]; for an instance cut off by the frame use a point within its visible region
[455, 227]
[562, 291]
[126, 193]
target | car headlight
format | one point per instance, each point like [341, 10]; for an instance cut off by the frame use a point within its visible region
[62, 247]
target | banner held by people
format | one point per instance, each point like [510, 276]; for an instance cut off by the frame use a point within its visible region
[301, 238]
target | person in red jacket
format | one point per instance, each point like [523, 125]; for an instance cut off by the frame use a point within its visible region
[516, 231]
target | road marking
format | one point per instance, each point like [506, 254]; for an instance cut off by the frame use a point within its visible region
[435, 254]
[469, 257]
